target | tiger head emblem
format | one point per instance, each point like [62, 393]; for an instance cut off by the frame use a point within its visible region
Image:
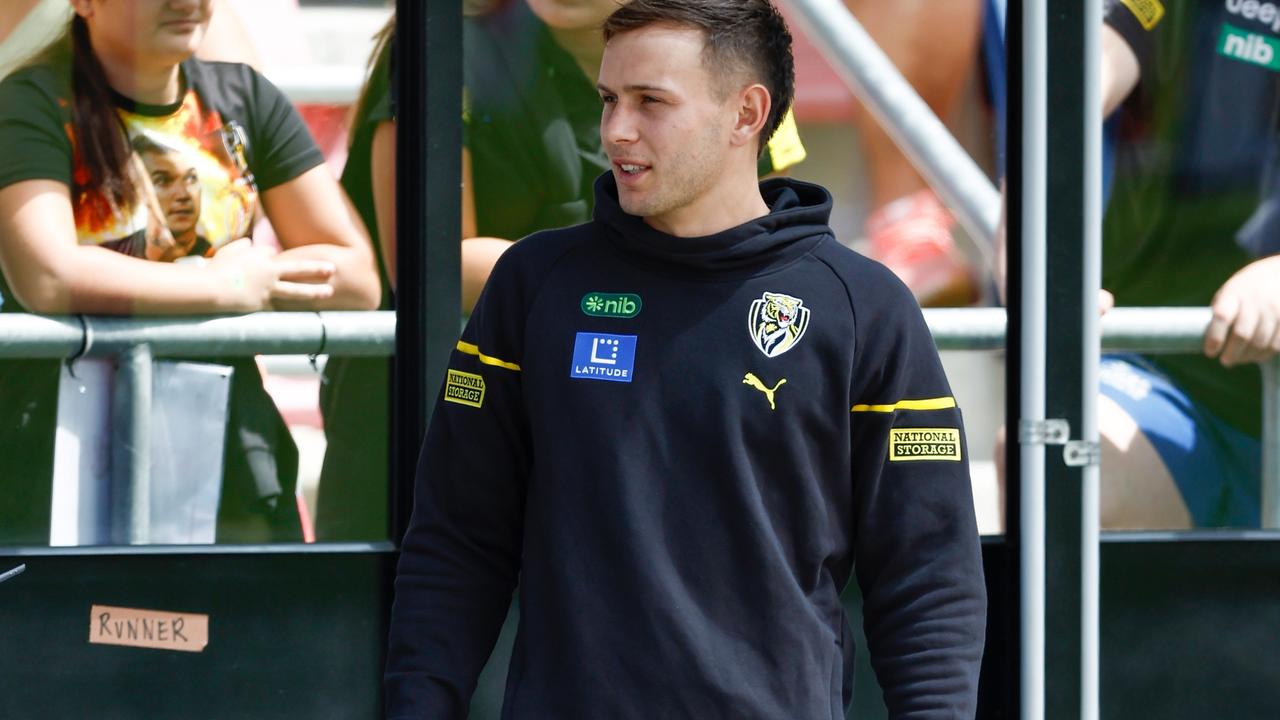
[777, 322]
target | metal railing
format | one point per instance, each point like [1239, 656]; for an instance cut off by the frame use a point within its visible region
[134, 342]
[921, 136]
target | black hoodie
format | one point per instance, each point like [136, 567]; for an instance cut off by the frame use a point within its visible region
[681, 447]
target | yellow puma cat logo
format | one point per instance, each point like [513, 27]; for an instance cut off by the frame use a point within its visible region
[755, 382]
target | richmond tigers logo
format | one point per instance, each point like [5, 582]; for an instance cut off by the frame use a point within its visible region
[777, 322]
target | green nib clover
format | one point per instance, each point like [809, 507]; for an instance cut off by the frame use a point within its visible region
[594, 303]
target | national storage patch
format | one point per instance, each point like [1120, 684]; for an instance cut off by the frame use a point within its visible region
[464, 388]
[1148, 12]
[924, 444]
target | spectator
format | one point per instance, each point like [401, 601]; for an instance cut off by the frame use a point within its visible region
[1186, 226]
[72, 187]
[532, 150]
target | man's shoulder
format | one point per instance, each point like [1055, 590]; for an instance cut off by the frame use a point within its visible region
[869, 283]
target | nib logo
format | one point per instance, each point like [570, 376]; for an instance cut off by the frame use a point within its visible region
[1249, 47]
[611, 305]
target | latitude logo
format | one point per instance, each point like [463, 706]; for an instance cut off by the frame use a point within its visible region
[600, 356]
[611, 305]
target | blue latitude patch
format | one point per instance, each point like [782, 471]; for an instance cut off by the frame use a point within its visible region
[600, 356]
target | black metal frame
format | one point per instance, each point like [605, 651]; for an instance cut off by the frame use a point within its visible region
[428, 227]
[1064, 359]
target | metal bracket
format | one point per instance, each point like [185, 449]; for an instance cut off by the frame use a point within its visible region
[1050, 431]
[1081, 453]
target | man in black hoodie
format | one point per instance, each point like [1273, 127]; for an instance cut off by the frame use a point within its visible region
[683, 426]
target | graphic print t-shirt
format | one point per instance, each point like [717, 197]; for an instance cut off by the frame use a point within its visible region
[193, 178]
[198, 165]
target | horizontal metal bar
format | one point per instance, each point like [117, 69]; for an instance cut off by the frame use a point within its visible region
[1155, 330]
[39, 336]
[372, 334]
[336, 333]
[967, 328]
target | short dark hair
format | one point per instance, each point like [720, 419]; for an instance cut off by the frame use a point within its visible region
[740, 34]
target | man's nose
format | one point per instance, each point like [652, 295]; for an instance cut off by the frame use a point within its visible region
[619, 126]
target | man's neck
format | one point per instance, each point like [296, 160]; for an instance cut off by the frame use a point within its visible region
[586, 47]
[734, 202]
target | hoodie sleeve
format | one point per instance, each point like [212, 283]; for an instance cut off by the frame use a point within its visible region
[461, 554]
[917, 554]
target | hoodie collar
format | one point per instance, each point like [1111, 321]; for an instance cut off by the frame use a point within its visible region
[796, 223]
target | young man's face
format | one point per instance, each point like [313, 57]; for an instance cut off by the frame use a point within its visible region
[178, 189]
[574, 14]
[664, 125]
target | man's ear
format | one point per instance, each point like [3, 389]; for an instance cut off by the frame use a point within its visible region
[753, 104]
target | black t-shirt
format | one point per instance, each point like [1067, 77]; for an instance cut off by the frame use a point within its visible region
[1197, 139]
[230, 136]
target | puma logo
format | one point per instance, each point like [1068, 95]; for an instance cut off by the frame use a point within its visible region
[753, 381]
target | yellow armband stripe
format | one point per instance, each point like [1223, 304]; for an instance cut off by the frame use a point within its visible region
[785, 148]
[470, 349]
[941, 403]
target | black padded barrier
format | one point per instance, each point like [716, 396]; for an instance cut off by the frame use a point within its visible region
[293, 633]
[1190, 626]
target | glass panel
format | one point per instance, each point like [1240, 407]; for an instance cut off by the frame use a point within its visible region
[172, 164]
[1192, 198]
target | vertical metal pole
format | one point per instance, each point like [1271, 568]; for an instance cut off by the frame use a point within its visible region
[428, 224]
[1034, 198]
[131, 448]
[1091, 350]
[1271, 443]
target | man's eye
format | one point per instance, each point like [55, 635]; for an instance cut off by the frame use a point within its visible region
[608, 99]
[649, 99]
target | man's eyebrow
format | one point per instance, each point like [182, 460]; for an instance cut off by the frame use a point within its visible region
[635, 88]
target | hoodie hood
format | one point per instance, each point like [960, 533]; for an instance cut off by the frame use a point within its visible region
[796, 223]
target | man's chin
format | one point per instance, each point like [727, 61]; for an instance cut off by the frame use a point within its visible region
[635, 206]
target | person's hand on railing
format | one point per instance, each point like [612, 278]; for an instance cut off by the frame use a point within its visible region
[1246, 315]
[260, 280]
